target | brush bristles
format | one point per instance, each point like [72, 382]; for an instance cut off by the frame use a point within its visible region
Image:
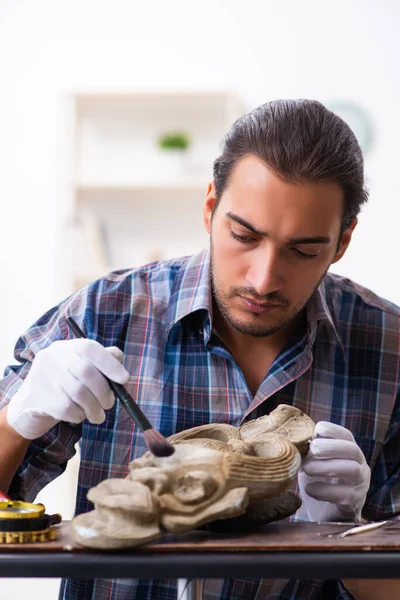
[157, 444]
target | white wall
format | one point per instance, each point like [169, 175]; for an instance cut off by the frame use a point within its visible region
[263, 49]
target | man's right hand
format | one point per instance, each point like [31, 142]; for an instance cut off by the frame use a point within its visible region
[66, 383]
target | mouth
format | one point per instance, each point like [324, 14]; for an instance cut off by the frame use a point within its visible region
[259, 307]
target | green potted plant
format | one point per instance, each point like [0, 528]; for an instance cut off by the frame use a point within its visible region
[173, 148]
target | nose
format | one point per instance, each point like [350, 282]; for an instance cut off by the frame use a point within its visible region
[265, 271]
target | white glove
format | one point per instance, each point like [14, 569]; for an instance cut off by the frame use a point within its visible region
[334, 477]
[66, 383]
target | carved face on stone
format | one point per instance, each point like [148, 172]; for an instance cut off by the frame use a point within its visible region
[215, 472]
[191, 487]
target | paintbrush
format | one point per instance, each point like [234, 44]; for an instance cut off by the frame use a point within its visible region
[156, 442]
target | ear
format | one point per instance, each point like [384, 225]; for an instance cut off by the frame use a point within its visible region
[208, 206]
[345, 241]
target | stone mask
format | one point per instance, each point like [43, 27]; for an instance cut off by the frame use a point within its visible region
[217, 473]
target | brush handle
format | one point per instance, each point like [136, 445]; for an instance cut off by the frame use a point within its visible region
[140, 419]
[134, 411]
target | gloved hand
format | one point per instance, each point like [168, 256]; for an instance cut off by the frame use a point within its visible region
[334, 477]
[66, 383]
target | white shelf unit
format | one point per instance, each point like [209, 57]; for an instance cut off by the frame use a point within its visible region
[131, 201]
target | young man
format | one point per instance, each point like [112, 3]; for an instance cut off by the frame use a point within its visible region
[224, 336]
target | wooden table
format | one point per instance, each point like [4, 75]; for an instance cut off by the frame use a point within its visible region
[280, 550]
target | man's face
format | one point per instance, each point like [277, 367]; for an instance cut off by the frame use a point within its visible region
[271, 244]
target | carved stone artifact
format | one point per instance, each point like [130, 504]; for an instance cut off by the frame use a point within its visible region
[218, 475]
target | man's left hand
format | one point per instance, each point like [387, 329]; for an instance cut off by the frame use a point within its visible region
[334, 477]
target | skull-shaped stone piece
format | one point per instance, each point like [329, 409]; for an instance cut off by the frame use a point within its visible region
[218, 472]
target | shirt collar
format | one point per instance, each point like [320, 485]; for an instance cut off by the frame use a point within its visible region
[318, 311]
[192, 292]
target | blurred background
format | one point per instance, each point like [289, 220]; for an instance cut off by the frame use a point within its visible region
[111, 114]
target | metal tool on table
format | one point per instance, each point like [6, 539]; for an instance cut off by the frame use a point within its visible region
[355, 529]
[24, 522]
[362, 528]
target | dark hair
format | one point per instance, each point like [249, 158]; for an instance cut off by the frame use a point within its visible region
[299, 140]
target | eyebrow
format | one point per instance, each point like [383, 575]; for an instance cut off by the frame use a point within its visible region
[319, 239]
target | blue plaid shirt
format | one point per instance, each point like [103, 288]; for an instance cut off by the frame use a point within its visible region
[344, 369]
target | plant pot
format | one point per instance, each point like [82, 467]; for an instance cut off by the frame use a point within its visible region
[171, 165]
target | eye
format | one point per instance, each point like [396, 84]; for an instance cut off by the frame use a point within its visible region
[305, 255]
[243, 239]
[194, 487]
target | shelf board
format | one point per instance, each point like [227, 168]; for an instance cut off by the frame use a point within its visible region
[189, 185]
[109, 98]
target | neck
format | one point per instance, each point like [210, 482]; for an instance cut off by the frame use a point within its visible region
[254, 355]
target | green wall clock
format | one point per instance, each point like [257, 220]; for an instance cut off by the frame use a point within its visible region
[357, 119]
